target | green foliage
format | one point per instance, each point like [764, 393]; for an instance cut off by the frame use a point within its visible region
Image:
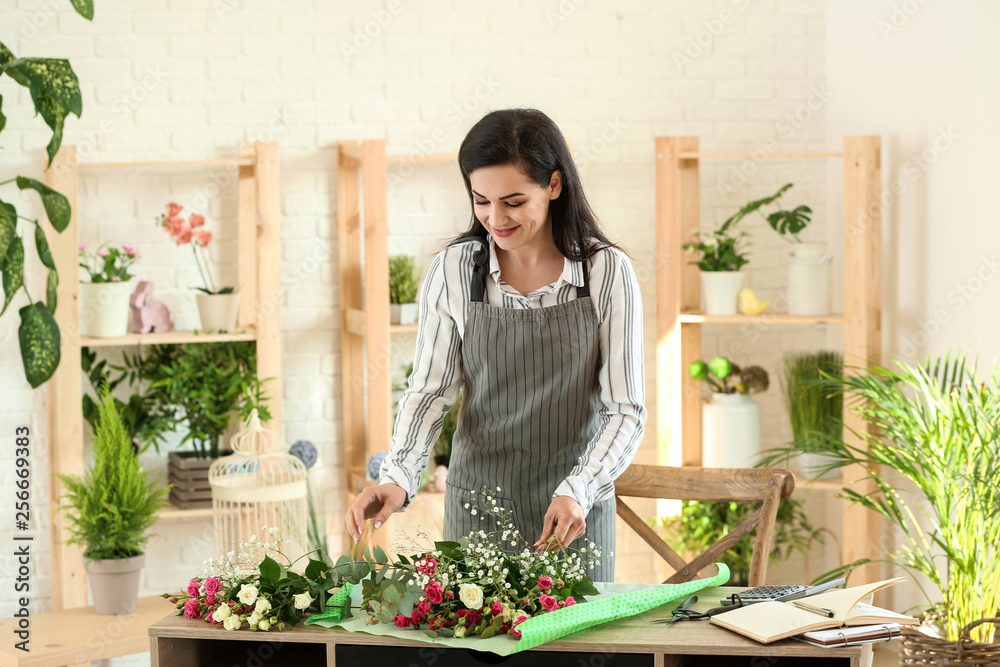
[403, 279]
[113, 266]
[931, 450]
[205, 382]
[720, 251]
[145, 422]
[786, 223]
[700, 525]
[111, 508]
[814, 411]
[55, 94]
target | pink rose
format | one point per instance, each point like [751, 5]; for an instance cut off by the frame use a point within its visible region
[513, 628]
[82, 247]
[420, 610]
[196, 220]
[193, 587]
[129, 249]
[210, 600]
[434, 592]
[173, 209]
[449, 595]
[191, 608]
[549, 603]
[212, 585]
[545, 583]
[402, 621]
[570, 601]
[102, 253]
[471, 617]
[427, 566]
[496, 608]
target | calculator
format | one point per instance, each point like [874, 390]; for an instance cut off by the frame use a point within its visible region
[785, 592]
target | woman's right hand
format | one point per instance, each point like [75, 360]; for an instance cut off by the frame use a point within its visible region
[376, 502]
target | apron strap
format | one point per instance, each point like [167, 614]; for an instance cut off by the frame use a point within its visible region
[477, 285]
[584, 291]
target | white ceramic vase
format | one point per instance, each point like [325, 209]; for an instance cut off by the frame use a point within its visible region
[104, 309]
[812, 465]
[218, 312]
[730, 431]
[402, 313]
[720, 291]
[114, 584]
[809, 279]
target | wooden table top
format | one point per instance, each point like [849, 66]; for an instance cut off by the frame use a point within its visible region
[634, 634]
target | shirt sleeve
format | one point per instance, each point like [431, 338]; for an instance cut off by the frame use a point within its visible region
[623, 388]
[433, 385]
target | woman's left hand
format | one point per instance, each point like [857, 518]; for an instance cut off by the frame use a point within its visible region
[564, 522]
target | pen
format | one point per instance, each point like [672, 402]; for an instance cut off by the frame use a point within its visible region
[816, 610]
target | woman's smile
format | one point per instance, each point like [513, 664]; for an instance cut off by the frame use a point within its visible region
[504, 232]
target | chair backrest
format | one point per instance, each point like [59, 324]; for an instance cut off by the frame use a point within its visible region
[767, 486]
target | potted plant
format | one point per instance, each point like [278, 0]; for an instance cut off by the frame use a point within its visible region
[700, 525]
[722, 255]
[218, 309]
[931, 449]
[210, 385]
[403, 283]
[731, 420]
[814, 412]
[104, 298]
[110, 510]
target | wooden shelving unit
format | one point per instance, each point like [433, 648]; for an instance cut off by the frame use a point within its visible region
[259, 261]
[679, 320]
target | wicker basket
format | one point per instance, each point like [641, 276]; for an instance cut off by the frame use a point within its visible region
[919, 650]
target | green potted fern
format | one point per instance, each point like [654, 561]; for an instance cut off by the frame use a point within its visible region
[814, 412]
[110, 510]
[403, 283]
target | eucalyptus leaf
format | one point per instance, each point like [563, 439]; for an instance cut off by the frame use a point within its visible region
[380, 555]
[38, 335]
[56, 205]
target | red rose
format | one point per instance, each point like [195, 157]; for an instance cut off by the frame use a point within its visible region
[402, 621]
[471, 617]
[210, 600]
[193, 587]
[434, 592]
[505, 628]
[449, 595]
[545, 583]
[437, 623]
[212, 586]
[420, 610]
[513, 628]
[496, 608]
[549, 603]
[191, 606]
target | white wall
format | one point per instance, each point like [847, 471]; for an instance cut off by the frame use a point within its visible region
[174, 79]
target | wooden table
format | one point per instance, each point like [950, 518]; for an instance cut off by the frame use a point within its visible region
[78, 636]
[181, 642]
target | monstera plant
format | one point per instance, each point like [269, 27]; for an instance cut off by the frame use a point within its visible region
[55, 93]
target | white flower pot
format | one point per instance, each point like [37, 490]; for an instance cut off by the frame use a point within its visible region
[114, 584]
[812, 466]
[218, 312]
[104, 309]
[809, 279]
[730, 431]
[720, 291]
[402, 313]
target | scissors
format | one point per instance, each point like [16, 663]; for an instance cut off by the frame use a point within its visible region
[685, 612]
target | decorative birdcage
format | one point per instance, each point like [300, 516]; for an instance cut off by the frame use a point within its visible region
[259, 487]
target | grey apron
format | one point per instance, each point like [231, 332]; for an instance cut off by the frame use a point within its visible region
[531, 405]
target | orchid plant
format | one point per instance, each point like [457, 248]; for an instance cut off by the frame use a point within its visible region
[109, 264]
[191, 231]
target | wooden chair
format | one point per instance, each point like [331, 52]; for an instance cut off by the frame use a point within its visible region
[768, 486]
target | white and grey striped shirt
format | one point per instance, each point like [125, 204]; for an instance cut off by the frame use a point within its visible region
[437, 365]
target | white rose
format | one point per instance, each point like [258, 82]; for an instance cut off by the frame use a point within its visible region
[262, 605]
[247, 594]
[459, 632]
[507, 612]
[471, 595]
[264, 625]
[232, 623]
[222, 613]
[255, 617]
[520, 614]
[303, 600]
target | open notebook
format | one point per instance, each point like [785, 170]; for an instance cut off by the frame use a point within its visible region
[770, 621]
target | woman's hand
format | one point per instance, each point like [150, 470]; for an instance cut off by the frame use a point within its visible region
[374, 501]
[564, 522]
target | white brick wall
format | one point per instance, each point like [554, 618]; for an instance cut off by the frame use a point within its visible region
[175, 79]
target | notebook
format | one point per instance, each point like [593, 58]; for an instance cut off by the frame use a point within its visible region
[767, 622]
[853, 636]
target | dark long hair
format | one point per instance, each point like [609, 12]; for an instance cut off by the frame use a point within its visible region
[530, 141]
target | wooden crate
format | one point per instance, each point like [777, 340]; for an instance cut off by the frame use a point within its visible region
[189, 476]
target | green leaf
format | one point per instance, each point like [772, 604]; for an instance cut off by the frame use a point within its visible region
[8, 229]
[431, 633]
[52, 291]
[584, 587]
[270, 571]
[3, 119]
[392, 595]
[55, 92]
[380, 556]
[56, 204]
[42, 245]
[39, 339]
[488, 632]
[6, 56]
[84, 8]
[316, 569]
[13, 272]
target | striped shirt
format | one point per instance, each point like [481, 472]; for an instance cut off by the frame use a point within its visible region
[437, 365]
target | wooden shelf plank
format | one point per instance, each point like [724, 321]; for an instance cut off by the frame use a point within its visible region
[763, 318]
[244, 162]
[78, 635]
[168, 338]
[174, 513]
[421, 157]
[694, 155]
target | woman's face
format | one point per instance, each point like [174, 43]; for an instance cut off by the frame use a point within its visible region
[512, 207]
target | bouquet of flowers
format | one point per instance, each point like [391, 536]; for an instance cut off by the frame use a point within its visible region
[191, 232]
[110, 264]
[479, 585]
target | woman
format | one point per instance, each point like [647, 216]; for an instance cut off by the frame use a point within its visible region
[537, 317]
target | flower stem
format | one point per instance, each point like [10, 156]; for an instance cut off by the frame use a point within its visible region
[207, 281]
